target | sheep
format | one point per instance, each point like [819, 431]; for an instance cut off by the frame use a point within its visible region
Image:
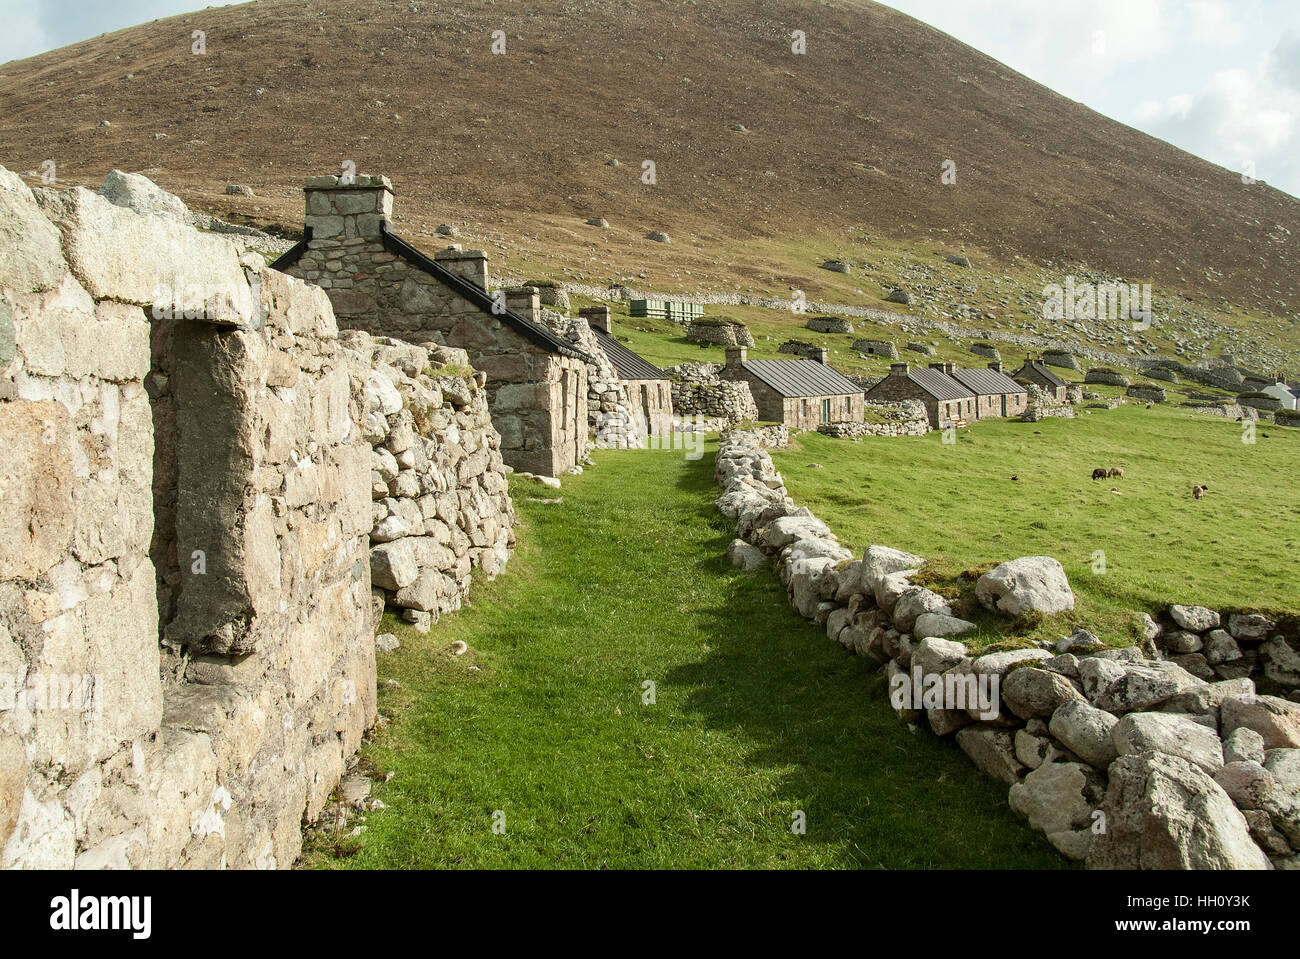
[1116, 472]
[1198, 492]
[1100, 474]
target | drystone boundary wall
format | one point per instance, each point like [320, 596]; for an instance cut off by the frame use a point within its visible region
[441, 503]
[187, 623]
[699, 391]
[906, 418]
[1123, 758]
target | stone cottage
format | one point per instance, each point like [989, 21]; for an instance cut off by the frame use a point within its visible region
[946, 399]
[799, 393]
[1036, 372]
[378, 283]
[996, 394]
[649, 390]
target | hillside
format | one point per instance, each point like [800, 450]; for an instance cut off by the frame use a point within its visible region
[515, 149]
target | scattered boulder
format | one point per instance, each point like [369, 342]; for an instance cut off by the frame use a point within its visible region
[899, 296]
[386, 643]
[837, 266]
[658, 237]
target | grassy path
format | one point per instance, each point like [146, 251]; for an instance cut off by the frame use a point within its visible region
[756, 714]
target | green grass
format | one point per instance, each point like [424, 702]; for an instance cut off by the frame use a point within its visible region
[757, 713]
[958, 507]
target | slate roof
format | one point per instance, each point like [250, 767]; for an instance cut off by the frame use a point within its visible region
[801, 378]
[938, 384]
[986, 382]
[537, 333]
[629, 365]
[1042, 371]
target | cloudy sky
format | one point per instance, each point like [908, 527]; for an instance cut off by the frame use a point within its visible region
[1219, 78]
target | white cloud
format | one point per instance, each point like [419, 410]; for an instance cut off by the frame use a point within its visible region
[1209, 76]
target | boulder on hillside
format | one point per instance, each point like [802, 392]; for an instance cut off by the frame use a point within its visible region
[1029, 584]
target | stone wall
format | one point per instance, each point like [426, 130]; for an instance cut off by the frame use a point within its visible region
[1158, 756]
[716, 333]
[210, 748]
[698, 390]
[908, 418]
[612, 417]
[441, 502]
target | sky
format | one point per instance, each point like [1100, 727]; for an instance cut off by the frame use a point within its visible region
[1218, 78]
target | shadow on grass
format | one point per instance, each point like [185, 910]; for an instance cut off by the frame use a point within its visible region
[888, 796]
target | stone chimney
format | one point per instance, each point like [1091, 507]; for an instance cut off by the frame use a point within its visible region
[342, 207]
[822, 356]
[950, 368]
[526, 301]
[470, 265]
[898, 369]
[997, 367]
[597, 318]
[736, 357]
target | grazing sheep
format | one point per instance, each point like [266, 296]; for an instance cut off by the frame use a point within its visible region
[1116, 471]
[1100, 474]
[1198, 492]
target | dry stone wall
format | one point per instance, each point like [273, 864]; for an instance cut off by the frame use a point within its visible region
[698, 391]
[908, 418]
[1160, 756]
[441, 503]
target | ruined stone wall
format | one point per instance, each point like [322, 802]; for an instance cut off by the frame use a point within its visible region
[612, 417]
[210, 748]
[441, 504]
[698, 390]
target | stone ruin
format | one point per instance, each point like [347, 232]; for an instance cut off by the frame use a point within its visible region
[187, 625]
[699, 390]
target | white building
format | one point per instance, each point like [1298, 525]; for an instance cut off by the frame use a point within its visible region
[1283, 393]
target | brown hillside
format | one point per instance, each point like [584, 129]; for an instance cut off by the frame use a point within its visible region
[853, 134]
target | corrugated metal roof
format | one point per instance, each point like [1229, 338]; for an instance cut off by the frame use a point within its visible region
[629, 365]
[1042, 371]
[987, 382]
[801, 378]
